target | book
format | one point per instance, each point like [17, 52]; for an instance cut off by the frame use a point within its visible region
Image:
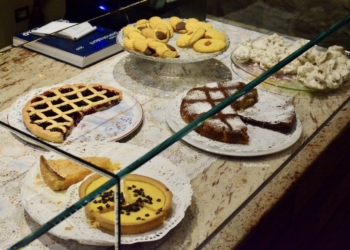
[89, 49]
[64, 29]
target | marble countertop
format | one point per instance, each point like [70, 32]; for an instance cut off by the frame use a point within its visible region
[232, 193]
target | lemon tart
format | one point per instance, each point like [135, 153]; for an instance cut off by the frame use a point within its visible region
[144, 204]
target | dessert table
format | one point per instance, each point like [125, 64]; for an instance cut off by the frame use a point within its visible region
[230, 193]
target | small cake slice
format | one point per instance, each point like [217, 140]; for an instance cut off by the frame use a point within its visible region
[62, 173]
[226, 126]
[271, 112]
[145, 204]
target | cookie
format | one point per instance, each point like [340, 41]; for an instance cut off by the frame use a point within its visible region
[135, 35]
[155, 34]
[142, 23]
[141, 45]
[179, 26]
[209, 45]
[193, 26]
[165, 52]
[190, 38]
[206, 26]
[214, 34]
[154, 44]
[129, 43]
[170, 28]
[153, 21]
[129, 28]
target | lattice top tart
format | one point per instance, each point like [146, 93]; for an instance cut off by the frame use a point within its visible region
[53, 114]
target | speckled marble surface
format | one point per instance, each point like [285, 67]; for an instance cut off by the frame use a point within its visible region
[236, 189]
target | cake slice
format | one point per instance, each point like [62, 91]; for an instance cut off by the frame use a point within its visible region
[226, 126]
[62, 173]
[273, 113]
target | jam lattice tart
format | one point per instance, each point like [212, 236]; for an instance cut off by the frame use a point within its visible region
[53, 114]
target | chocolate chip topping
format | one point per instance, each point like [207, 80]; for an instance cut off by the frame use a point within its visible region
[149, 52]
[180, 26]
[170, 47]
[161, 35]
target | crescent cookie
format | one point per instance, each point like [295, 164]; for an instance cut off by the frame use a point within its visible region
[135, 35]
[215, 34]
[143, 23]
[156, 35]
[129, 43]
[129, 28]
[165, 52]
[190, 38]
[153, 21]
[140, 45]
[153, 44]
[209, 45]
[193, 26]
[178, 25]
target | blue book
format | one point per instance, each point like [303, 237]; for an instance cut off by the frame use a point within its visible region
[89, 49]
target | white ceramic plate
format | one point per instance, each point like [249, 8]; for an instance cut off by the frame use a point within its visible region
[112, 124]
[187, 55]
[261, 141]
[42, 203]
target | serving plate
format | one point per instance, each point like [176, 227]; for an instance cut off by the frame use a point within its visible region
[42, 203]
[112, 124]
[262, 141]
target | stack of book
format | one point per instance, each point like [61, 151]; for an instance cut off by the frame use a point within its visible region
[98, 44]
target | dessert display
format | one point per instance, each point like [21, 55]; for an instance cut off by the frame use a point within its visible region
[52, 115]
[164, 38]
[60, 174]
[144, 204]
[315, 69]
[230, 124]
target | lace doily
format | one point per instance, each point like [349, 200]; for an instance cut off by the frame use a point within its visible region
[262, 141]
[42, 203]
[112, 124]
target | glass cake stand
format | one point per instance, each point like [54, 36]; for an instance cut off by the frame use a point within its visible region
[169, 76]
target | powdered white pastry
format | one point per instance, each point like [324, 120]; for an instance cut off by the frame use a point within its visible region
[315, 69]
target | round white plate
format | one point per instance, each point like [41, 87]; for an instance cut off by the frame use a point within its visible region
[187, 55]
[42, 203]
[261, 141]
[112, 124]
